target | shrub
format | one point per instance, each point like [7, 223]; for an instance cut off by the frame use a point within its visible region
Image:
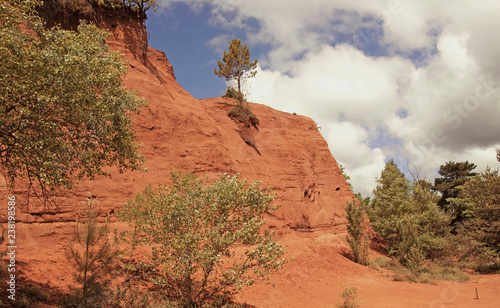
[232, 93]
[205, 239]
[350, 296]
[92, 255]
[357, 236]
[137, 6]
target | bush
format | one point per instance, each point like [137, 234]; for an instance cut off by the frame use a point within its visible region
[205, 239]
[425, 273]
[357, 236]
[350, 296]
[233, 93]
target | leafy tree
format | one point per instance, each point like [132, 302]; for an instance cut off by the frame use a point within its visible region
[357, 236]
[65, 111]
[453, 176]
[236, 65]
[205, 239]
[390, 205]
[407, 216]
[92, 254]
[480, 198]
[432, 223]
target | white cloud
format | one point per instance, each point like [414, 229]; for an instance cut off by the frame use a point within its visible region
[348, 145]
[375, 108]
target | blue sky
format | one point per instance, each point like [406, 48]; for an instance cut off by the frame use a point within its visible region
[413, 81]
[183, 34]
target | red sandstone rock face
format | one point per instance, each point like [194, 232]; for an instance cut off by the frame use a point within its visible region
[179, 132]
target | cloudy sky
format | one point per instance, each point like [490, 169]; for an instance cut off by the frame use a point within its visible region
[414, 81]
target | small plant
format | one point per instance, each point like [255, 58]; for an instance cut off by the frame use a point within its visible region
[357, 236]
[232, 93]
[350, 296]
[347, 178]
[92, 255]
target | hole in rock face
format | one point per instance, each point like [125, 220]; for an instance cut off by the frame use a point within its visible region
[337, 189]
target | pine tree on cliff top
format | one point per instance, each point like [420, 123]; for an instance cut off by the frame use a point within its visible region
[236, 64]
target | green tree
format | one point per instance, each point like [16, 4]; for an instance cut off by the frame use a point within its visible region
[236, 65]
[431, 221]
[390, 205]
[65, 111]
[357, 235]
[407, 216]
[206, 240]
[453, 176]
[92, 254]
[480, 198]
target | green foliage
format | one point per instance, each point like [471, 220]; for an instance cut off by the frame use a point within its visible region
[92, 255]
[390, 205]
[205, 239]
[65, 111]
[110, 4]
[480, 198]
[236, 65]
[350, 296]
[140, 6]
[357, 236]
[232, 93]
[407, 216]
[427, 272]
[453, 176]
[347, 178]
[431, 222]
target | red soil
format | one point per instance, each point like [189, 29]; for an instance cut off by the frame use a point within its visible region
[179, 132]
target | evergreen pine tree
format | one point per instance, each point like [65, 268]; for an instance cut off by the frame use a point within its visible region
[390, 205]
[236, 65]
[453, 176]
[91, 253]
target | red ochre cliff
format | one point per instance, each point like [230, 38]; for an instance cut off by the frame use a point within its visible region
[177, 131]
